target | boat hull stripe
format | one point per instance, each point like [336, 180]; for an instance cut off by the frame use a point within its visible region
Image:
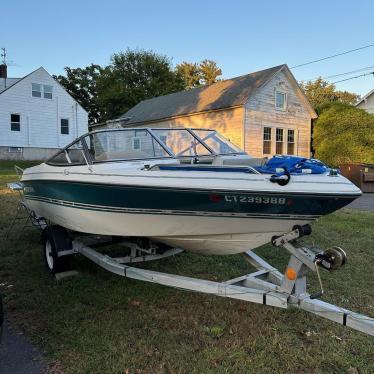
[168, 212]
[183, 201]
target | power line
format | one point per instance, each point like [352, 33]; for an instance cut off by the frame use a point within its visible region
[342, 74]
[357, 76]
[332, 56]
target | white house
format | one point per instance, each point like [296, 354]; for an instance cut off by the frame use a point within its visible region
[37, 116]
[367, 102]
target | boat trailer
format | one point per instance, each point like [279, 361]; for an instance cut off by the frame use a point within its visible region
[267, 285]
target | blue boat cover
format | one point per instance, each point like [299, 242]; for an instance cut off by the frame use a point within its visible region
[294, 165]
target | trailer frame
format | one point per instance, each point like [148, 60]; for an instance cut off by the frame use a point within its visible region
[267, 285]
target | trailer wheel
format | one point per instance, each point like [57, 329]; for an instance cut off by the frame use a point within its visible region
[56, 239]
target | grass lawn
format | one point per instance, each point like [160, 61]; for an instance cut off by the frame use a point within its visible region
[97, 322]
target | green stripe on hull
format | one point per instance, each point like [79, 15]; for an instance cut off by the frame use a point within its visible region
[181, 201]
[166, 212]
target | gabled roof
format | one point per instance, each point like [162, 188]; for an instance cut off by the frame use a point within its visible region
[16, 80]
[223, 94]
[365, 97]
[8, 82]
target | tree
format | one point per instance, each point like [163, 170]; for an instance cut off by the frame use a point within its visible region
[190, 74]
[133, 76]
[209, 71]
[344, 134]
[196, 75]
[81, 83]
[320, 91]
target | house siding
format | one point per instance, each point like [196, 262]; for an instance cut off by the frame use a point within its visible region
[367, 104]
[40, 118]
[260, 112]
[228, 122]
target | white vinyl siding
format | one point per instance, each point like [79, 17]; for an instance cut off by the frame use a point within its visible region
[40, 125]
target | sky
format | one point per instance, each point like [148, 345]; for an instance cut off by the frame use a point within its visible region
[241, 36]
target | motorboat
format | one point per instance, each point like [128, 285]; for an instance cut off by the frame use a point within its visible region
[157, 192]
[184, 187]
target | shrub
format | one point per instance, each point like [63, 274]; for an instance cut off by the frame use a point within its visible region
[343, 134]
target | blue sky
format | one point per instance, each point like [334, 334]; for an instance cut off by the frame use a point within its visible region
[241, 36]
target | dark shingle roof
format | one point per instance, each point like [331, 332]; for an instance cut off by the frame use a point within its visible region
[4, 84]
[223, 94]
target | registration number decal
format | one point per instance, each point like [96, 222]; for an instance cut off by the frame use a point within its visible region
[255, 199]
[28, 189]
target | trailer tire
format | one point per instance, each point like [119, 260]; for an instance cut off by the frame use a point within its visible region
[56, 239]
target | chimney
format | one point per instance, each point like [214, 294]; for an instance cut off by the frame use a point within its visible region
[3, 71]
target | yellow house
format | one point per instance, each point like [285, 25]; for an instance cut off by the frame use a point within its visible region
[265, 112]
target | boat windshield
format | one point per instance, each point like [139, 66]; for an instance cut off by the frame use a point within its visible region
[182, 142]
[143, 143]
[217, 142]
[124, 145]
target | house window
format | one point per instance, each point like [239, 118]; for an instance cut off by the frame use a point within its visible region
[267, 141]
[47, 91]
[36, 90]
[15, 150]
[291, 142]
[15, 122]
[280, 100]
[135, 144]
[64, 126]
[279, 141]
[163, 138]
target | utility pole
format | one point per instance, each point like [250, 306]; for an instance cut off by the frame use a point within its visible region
[3, 56]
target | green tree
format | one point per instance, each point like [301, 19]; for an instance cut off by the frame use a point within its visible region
[209, 72]
[81, 83]
[196, 75]
[320, 92]
[344, 134]
[133, 76]
[190, 73]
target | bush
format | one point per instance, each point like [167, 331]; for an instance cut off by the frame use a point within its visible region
[343, 134]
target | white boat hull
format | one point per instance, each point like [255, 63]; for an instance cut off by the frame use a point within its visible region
[205, 212]
[207, 235]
